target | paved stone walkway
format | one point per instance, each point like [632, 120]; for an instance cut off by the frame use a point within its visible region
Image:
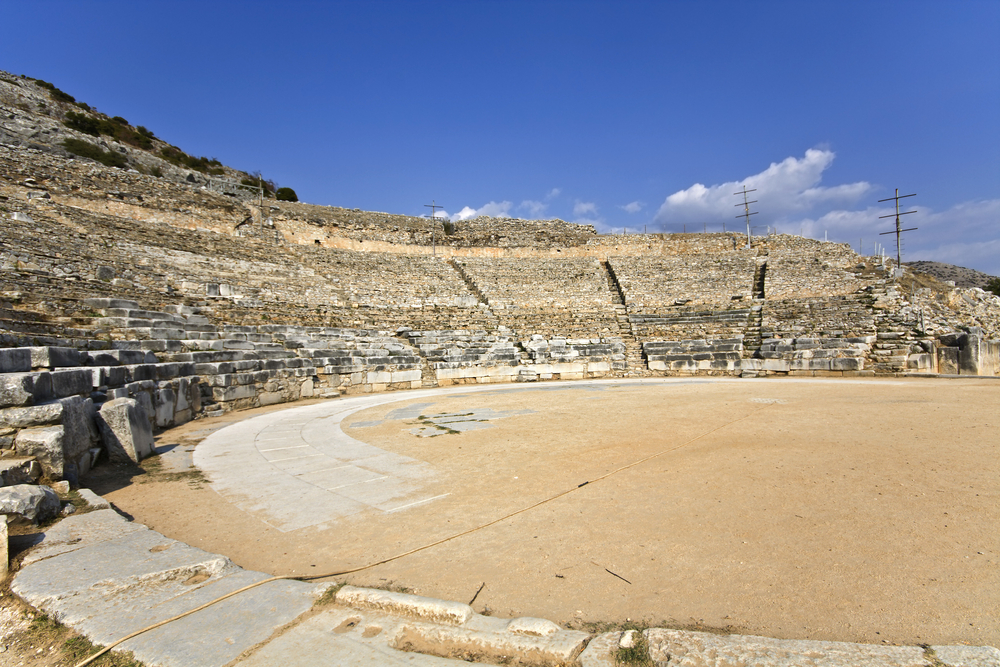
[297, 468]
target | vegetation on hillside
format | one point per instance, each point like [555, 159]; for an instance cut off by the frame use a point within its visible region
[89, 150]
[993, 286]
[89, 121]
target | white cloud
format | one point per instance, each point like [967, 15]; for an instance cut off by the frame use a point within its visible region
[632, 207]
[553, 193]
[535, 209]
[466, 213]
[789, 186]
[583, 208]
[492, 209]
[966, 234]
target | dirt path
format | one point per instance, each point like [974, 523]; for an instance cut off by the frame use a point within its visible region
[821, 510]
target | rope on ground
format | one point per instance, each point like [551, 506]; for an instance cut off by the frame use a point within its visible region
[431, 545]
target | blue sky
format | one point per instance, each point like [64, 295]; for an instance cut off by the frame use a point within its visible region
[645, 115]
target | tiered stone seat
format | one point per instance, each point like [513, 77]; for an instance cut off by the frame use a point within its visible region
[794, 275]
[574, 284]
[656, 284]
[384, 280]
[467, 355]
[692, 356]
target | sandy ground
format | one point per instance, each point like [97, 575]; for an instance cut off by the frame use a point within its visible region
[855, 511]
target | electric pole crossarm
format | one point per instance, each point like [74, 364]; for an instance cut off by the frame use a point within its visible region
[899, 229]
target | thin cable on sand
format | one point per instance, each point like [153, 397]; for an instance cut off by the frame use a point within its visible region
[421, 548]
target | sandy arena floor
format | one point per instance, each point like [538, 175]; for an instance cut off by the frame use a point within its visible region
[843, 510]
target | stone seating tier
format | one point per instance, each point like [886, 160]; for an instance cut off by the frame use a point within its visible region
[653, 284]
[577, 284]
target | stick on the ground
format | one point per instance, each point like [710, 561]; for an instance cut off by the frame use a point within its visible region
[477, 593]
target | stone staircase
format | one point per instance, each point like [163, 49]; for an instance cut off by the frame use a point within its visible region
[635, 361]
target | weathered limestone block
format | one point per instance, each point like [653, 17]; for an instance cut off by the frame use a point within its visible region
[19, 389]
[125, 430]
[45, 444]
[74, 382]
[57, 448]
[19, 471]
[947, 360]
[54, 357]
[164, 406]
[29, 503]
[15, 360]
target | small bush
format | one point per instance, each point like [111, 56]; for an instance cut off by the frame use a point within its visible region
[55, 93]
[117, 127]
[286, 194]
[176, 156]
[89, 150]
[993, 285]
[256, 180]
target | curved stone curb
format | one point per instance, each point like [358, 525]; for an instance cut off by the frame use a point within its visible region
[106, 577]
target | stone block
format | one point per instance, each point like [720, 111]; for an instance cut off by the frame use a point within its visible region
[55, 357]
[380, 377]
[702, 648]
[45, 444]
[404, 376]
[947, 358]
[19, 389]
[19, 471]
[270, 397]
[223, 394]
[164, 405]
[29, 503]
[125, 430]
[109, 376]
[72, 382]
[15, 360]
[776, 365]
[846, 364]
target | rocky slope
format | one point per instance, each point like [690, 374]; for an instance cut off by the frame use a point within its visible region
[36, 114]
[961, 276]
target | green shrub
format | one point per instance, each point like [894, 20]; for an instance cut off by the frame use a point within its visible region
[993, 285]
[257, 181]
[55, 93]
[176, 156]
[87, 124]
[286, 194]
[117, 127]
[89, 150]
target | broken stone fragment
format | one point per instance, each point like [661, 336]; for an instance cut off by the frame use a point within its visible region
[125, 430]
[29, 503]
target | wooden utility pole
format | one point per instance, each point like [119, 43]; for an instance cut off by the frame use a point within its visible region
[898, 230]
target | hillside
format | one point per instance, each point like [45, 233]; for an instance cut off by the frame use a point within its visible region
[961, 276]
[38, 115]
